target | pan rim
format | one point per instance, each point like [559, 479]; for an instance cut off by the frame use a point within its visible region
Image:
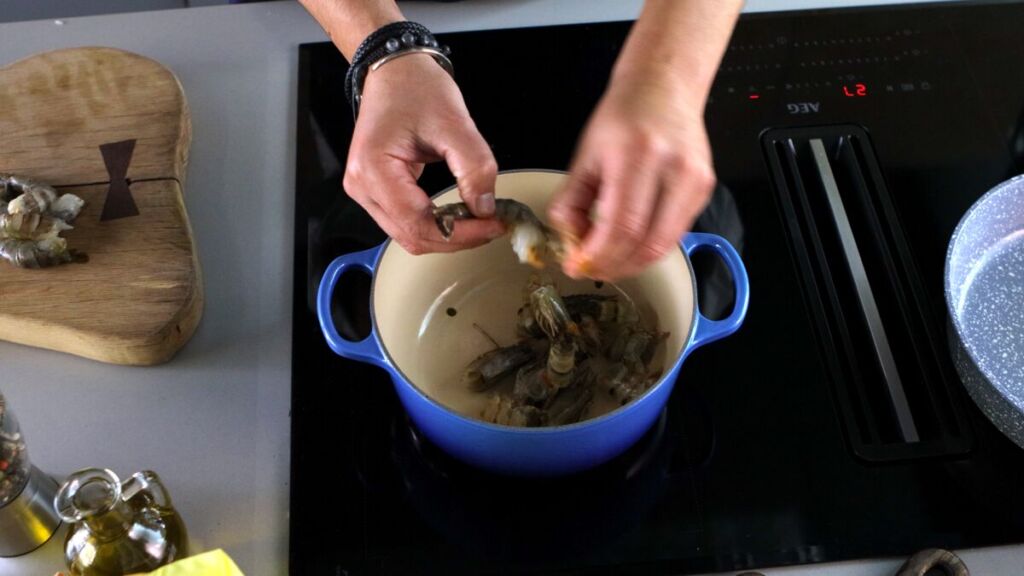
[952, 294]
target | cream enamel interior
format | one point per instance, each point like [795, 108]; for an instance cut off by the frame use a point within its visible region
[412, 294]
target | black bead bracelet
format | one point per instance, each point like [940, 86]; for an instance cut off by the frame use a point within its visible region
[385, 44]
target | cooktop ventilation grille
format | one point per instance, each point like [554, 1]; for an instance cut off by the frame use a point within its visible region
[891, 386]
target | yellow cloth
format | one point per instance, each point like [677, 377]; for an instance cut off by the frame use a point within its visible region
[212, 563]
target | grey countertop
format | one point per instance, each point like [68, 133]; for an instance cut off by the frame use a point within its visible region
[214, 422]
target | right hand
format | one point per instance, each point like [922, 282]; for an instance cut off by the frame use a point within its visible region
[411, 113]
[644, 167]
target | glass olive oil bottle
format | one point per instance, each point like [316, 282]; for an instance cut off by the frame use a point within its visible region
[119, 528]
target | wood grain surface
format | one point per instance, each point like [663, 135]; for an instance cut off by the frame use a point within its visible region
[139, 296]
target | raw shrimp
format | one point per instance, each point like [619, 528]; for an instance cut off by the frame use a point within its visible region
[536, 382]
[553, 319]
[532, 240]
[626, 384]
[561, 362]
[634, 345]
[570, 349]
[603, 308]
[550, 312]
[570, 404]
[531, 387]
[526, 323]
[557, 406]
[504, 410]
[590, 335]
[488, 368]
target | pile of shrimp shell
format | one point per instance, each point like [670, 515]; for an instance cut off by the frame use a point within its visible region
[32, 217]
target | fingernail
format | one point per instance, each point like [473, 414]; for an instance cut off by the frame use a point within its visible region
[485, 204]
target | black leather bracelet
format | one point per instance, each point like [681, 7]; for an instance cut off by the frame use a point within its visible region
[387, 43]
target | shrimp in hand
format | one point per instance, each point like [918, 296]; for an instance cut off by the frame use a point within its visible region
[532, 240]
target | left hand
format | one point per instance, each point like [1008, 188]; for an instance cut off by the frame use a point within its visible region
[644, 158]
[413, 113]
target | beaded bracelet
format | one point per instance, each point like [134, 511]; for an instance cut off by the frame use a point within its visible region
[386, 44]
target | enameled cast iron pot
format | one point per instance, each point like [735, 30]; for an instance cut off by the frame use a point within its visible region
[429, 313]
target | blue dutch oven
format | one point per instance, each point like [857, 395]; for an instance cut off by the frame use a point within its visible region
[430, 314]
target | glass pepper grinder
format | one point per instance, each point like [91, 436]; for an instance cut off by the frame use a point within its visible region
[27, 517]
[119, 528]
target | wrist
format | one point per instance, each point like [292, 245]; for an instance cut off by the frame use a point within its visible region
[356, 34]
[676, 46]
[665, 82]
[412, 70]
[384, 47]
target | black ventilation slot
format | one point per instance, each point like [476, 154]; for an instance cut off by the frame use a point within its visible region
[883, 351]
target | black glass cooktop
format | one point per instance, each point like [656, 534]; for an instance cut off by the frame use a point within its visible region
[787, 443]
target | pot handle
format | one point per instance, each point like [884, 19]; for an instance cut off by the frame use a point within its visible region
[709, 330]
[367, 349]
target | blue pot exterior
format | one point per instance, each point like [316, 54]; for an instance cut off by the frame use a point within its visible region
[534, 452]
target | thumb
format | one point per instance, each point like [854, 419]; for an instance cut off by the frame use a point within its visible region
[472, 163]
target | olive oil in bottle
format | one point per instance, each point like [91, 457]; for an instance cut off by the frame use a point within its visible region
[119, 528]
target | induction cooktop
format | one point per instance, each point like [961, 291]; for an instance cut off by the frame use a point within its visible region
[795, 441]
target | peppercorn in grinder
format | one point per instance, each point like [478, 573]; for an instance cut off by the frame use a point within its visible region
[27, 516]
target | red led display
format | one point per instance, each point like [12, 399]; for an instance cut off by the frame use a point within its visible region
[856, 91]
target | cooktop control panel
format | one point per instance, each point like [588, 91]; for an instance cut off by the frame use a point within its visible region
[810, 69]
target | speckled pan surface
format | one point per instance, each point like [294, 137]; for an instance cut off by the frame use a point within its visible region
[985, 299]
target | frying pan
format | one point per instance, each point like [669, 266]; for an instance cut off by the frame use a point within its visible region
[985, 299]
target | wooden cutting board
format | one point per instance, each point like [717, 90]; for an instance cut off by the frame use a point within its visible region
[105, 125]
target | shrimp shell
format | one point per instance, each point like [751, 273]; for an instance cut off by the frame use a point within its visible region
[30, 254]
[34, 199]
[67, 207]
[31, 226]
[32, 216]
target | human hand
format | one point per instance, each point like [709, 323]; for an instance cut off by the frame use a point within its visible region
[644, 162]
[412, 113]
